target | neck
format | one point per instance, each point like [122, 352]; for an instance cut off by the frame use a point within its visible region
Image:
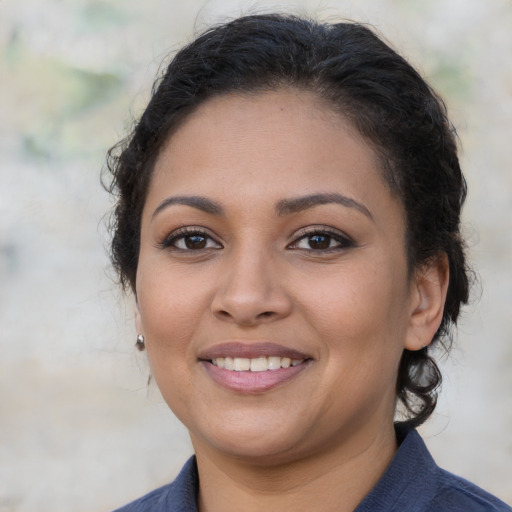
[336, 480]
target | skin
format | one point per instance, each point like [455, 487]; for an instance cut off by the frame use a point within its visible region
[353, 308]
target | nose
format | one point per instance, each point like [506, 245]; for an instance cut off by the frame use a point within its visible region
[251, 291]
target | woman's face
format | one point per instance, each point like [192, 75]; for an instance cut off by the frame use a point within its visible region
[270, 241]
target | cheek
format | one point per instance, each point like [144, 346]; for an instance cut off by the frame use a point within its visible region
[361, 299]
[361, 315]
[171, 305]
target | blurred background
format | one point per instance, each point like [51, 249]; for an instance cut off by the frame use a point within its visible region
[79, 428]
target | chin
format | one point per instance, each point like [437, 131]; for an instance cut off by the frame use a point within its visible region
[260, 443]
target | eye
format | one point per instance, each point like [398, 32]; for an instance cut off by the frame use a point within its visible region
[321, 240]
[190, 239]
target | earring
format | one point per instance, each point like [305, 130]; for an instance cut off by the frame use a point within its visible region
[140, 343]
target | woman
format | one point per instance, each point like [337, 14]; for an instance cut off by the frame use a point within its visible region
[287, 216]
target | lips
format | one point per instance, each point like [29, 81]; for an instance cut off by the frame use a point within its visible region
[252, 367]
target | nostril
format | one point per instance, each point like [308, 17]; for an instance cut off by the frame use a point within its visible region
[245, 319]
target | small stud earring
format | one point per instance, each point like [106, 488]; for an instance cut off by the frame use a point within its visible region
[140, 343]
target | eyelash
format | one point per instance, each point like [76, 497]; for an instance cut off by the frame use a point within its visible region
[344, 242]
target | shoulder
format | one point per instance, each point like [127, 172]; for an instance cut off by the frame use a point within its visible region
[178, 495]
[457, 494]
[151, 502]
[442, 491]
[413, 482]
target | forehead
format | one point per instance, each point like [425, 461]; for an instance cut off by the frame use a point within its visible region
[265, 145]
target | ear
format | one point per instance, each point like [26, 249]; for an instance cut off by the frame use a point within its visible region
[428, 295]
[138, 318]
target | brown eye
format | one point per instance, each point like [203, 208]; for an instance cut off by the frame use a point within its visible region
[319, 242]
[195, 241]
[322, 241]
[190, 240]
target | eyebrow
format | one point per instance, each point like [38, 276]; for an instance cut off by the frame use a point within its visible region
[201, 203]
[283, 207]
[299, 204]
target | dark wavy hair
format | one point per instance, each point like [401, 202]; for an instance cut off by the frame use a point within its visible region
[369, 84]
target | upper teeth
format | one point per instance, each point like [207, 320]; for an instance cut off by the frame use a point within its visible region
[258, 364]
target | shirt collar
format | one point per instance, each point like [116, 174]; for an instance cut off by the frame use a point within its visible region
[410, 479]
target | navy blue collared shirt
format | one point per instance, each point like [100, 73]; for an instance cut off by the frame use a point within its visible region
[412, 483]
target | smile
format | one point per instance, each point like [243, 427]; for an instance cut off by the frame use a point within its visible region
[253, 368]
[257, 364]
